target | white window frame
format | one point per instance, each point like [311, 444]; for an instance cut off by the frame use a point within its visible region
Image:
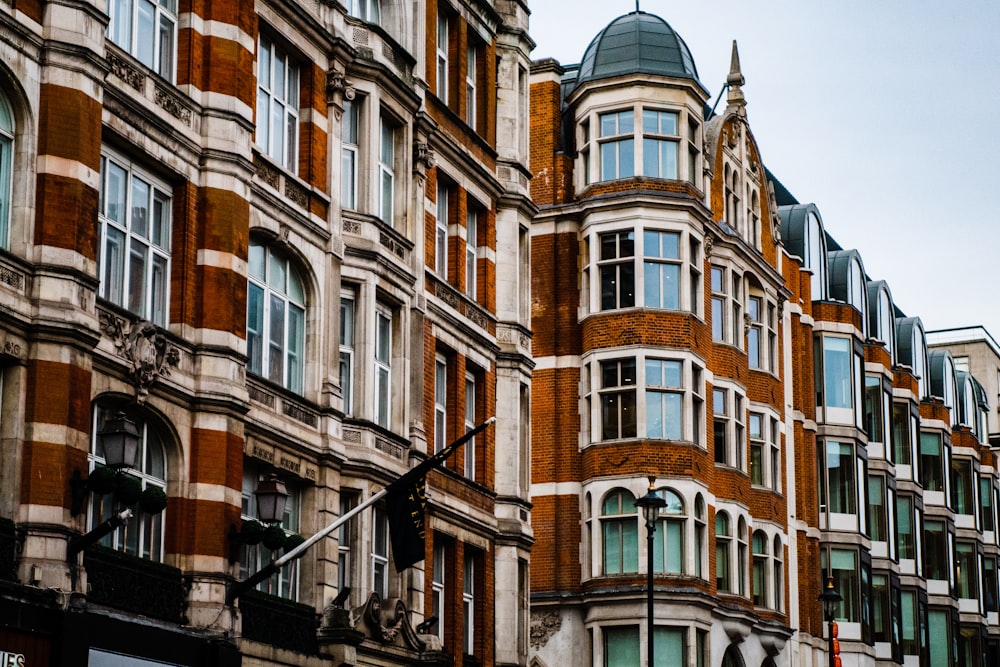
[756, 312]
[654, 265]
[469, 604]
[290, 293]
[133, 235]
[440, 402]
[366, 10]
[470, 423]
[439, 602]
[349, 154]
[443, 37]
[471, 250]
[277, 99]
[158, 36]
[382, 360]
[388, 136]
[617, 135]
[345, 541]
[471, 106]
[733, 418]
[348, 330]
[380, 553]
[441, 230]
[659, 132]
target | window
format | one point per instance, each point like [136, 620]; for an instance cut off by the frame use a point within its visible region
[694, 141]
[967, 570]
[936, 551]
[345, 542]
[6, 168]
[441, 230]
[349, 149]
[471, 243]
[754, 307]
[438, 600]
[620, 532]
[664, 399]
[670, 646]
[440, 403]
[906, 527]
[881, 609]
[876, 406]
[668, 540]
[617, 270]
[621, 646]
[723, 545]
[135, 240]
[834, 367]
[366, 10]
[283, 583]
[729, 430]
[932, 461]
[840, 478]
[963, 487]
[275, 317]
[761, 556]
[700, 538]
[939, 627]
[388, 136]
[878, 516]
[659, 143]
[842, 565]
[815, 244]
[765, 457]
[617, 144]
[742, 557]
[727, 309]
[348, 304]
[661, 269]
[719, 298]
[986, 504]
[471, 106]
[443, 29]
[383, 369]
[991, 585]
[470, 423]
[902, 434]
[618, 408]
[147, 30]
[142, 535]
[380, 553]
[912, 622]
[277, 104]
[778, 578]
[469, 604]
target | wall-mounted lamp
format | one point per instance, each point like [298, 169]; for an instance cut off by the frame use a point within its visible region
[119, 439]
[271, 497]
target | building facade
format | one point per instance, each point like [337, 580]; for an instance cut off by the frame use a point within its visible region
[700, 334]
[287, 242]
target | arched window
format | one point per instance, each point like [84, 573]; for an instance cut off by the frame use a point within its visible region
[254, 557]
[723, 545]
[276, 315]
[742, 557]
[942, 381]
[778, 578]
[669, 535]
[700, 538]
[761, 553]
[143, 534]
[912, 351]
[6, 168]
[881, 316]
[620, 532]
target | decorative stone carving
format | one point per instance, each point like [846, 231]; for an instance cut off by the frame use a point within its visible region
[126, 72]
[172, 104]
[12, 278]
[11, 349]
[296, 193]
[337, 88]
[709, 242]
[543, 626]
[394, 246]
[351, 226]
[147, 351]
[267, 173]
[386, 621]
[423, 157]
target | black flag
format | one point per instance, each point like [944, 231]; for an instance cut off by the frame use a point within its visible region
[406, 500]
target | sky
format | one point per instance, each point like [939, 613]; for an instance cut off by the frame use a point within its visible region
[877, 111]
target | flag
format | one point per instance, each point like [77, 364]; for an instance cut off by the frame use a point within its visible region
[406, 501]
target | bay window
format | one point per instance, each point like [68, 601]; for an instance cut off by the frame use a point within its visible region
[937, 552]
[664, 399]
[617, 270]
[727, 306]
[620, 533]
[659, 143]
[967, 570]
[349, 149]
[881, 609]
[963, 486]
[835, 378]
[383, 366]
[147, 30]
[617, 144]
[135, 227]
[661, 269]
[907, 526]
[843, 566]
[729, 430]
[668, 540]
[986, 505]
[933, 459]
[621, 646]
[761, 548]
[390, 134]
[655, 147]
[878, 515]
[838, 481]
[618, 399]
[723, 546]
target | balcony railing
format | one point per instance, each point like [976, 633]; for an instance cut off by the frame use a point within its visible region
[272, 620]
[133, 584]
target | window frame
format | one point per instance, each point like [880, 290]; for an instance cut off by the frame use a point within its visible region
[347, 351]
[163, 14]
[441, 225]
[156, 261]
[382, 366]
[733, 419]
[284, 583]
[442, 44]
[350, 152]
[623, 525]
[654, 136]
[379, 555]
[284, 102]
[8, 131]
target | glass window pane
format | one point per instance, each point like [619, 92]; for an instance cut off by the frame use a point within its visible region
[138, 254]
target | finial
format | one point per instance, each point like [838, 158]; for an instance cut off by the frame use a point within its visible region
[735, 100]
[636, 6]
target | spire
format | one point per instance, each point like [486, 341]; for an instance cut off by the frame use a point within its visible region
[735, 100]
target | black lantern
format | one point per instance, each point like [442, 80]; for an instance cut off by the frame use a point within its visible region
[271, 497]
[831, 600]
[650, 504]
[120, 441]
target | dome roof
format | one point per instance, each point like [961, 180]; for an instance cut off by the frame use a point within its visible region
[637, 43]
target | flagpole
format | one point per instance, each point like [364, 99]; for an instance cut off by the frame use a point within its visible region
[236, 589]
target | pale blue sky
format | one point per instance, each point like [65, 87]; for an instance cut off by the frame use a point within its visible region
[877, 111]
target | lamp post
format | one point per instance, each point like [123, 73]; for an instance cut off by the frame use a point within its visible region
[650, 504]
[831, 599]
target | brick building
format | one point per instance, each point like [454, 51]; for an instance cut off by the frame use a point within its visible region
[700, 334]
[285, 240]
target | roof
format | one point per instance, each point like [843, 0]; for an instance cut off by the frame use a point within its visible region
[637, 43]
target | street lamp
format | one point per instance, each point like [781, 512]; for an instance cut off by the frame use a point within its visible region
[650, 504]
[831, 599]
